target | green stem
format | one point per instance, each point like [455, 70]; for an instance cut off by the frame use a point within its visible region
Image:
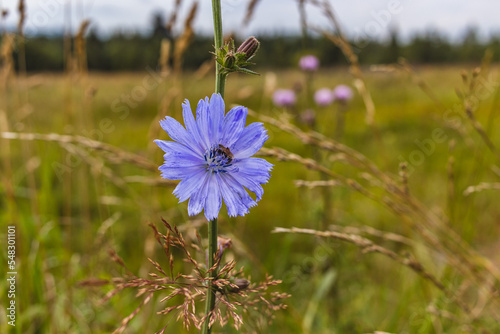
[212, 252]
[220, 78]
[220, 81]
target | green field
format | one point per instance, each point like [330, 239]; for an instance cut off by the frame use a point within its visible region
[433, 265]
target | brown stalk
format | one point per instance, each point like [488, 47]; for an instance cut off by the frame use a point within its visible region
[116, 155]
[252, 4]
[173, 17]
[81, 52]
[367, 246]
[182, 43]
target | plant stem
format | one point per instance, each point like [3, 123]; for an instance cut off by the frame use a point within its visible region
[220, 80]
[212, 252]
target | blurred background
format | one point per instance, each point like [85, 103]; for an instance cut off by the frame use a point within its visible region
[386, 142]
[128, 37]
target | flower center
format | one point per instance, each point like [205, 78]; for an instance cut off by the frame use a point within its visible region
[218, 159]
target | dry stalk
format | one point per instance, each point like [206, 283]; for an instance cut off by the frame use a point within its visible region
[479, 129]
[403, 174]
[365, 229]
[127, 319]
[235, 296]
[21, 8]
[252, 4]
[81, 52]
[173, 16]
[367, 246]
[114, 154]
[316, 184]
[6, 71]
[6, 60]
[182, 43]
[480, 187]
[165, 57]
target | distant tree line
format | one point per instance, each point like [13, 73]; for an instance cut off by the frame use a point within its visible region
[135, 52]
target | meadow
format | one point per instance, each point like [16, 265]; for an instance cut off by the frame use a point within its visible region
[396, 226]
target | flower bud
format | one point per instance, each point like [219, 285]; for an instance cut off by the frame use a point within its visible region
[249, 47]
[229, 61]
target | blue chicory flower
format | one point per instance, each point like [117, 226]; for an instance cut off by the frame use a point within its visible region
[212, 158]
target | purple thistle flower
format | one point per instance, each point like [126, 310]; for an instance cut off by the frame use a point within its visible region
[342, 93]
[309, 63]
[284, 98]
[324, 97]
[212, 158]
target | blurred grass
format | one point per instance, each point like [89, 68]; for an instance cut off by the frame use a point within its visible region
[63, 239]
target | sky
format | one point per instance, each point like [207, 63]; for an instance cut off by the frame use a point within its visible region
[359, 18]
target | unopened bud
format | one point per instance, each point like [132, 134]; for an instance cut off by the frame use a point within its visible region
[249, 47]
[229, 61]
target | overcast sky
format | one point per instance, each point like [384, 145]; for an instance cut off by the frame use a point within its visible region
[360, 18]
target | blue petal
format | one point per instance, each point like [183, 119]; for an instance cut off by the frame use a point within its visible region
[234, 123]
[255, 167]
[189, 185]
[173, 149]
[191, 126]
[202, 119]
[235, 196]
[176, 160]
[213, 202]
[177, 132]
[233, 203]
[198, 198]
[251, 173]
[251, 184]
[179, 173]
[250, 141]
[245, 198]
[217, 110]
